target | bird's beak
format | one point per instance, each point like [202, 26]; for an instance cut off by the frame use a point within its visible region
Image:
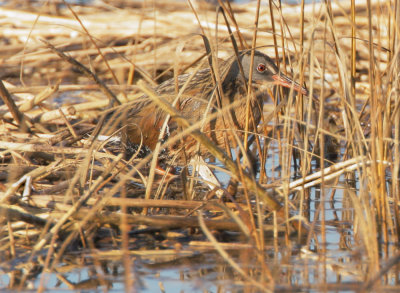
[283, 80]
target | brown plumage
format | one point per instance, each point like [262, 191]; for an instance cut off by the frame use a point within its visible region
[143, 120]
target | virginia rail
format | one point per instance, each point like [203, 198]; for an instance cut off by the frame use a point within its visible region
[143, 120]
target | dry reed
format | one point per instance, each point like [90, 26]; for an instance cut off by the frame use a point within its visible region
[68, 187]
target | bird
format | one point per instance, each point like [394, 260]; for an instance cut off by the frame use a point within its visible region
[201, 97]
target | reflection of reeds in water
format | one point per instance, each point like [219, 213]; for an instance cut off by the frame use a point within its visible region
[87, 195]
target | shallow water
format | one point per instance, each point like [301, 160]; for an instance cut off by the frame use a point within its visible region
[298, 264]
[293, 264]
[174, 263]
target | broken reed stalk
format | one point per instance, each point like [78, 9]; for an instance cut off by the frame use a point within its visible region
[83, 69]
[169, 222]
[12, 107]
[44, 200]
[87, 33]
[15, 214]
[39, 98]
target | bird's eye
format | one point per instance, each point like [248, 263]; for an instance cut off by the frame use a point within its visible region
[261, 67]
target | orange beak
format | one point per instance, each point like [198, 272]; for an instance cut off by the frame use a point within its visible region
[285, 81]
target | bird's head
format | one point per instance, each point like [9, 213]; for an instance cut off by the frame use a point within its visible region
[266, 72]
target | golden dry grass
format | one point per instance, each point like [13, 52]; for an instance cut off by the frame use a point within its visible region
[66, 188]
